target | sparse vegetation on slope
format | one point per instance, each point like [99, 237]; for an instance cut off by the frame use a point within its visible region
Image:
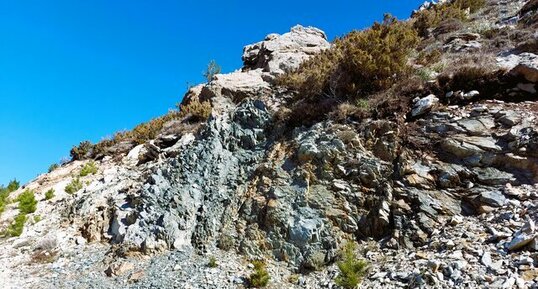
[4, 194]
[27, 205]
[358, 64]
[195, 110]
[445, 13]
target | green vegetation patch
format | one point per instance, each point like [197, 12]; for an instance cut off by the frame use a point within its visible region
[74, 186]
[260, 277]
[49, 194]
[358, 64]
[27, 202]
[352, 270]
[88, 169]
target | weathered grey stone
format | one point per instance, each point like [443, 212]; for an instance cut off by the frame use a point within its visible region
[282, 53]
[524, 64]
[423, 105]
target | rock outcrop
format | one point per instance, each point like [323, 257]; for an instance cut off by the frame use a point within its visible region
[442, 194]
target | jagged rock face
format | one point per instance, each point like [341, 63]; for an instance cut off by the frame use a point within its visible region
[451, 187]
[282, 53]
[184, 201]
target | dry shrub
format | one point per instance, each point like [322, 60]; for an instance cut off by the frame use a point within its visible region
[490, 83]
[44, 256]
[347, 111]
[465, 78]
[195, 110]
[472, 5]
[360, 63]
[390, 103]
[82, 151]
[448, 26]
[431, 18]
[428, 57]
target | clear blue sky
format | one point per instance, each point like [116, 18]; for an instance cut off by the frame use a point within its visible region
[74, 70]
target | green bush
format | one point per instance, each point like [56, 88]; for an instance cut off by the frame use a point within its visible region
[82, 151]
[260, 277]
[13, 186]
[4, 194]
[358, 64]
[352, 270]
[27, 202]
[37, 218]
[53, 167]
[49, 194]
[88, 169]
[16, 228]
[74, 186]
[212, 262]
[212, 69]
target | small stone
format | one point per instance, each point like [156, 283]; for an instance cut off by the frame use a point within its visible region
[486, 259]
[434, 265]
[118, 269]
[523, 237]
[136, 276]
[456, 220]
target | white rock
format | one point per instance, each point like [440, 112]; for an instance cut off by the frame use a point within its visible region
[424, 105]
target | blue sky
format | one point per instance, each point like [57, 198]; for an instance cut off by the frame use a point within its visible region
[74, 70]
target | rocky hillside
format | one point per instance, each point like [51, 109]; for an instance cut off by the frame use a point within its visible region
[415, 168]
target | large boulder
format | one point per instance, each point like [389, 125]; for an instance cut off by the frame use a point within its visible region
[278, 54]
[524, 64]
[236, 86]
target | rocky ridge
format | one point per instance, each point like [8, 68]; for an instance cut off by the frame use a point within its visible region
[445, 198]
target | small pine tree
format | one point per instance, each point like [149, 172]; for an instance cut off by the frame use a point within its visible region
[212, 69]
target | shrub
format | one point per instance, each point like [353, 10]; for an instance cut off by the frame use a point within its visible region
[4, 194]
[16, 228]
[260, 277]
[429, 57]
[53, 167]
[88, 169]
[212, 69]
[358, 64]
[430, 18]
[465, 78]
[212, 262]
[145, 131]
[74, 186]
[472, 5]
[37, 218]
[82, 151]
[351, 269]
[27, 202]
[293, 278]
[225, 242]
[44, 256]
[195, 110]
[317, 261]
[13, 186]
[49, 194]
